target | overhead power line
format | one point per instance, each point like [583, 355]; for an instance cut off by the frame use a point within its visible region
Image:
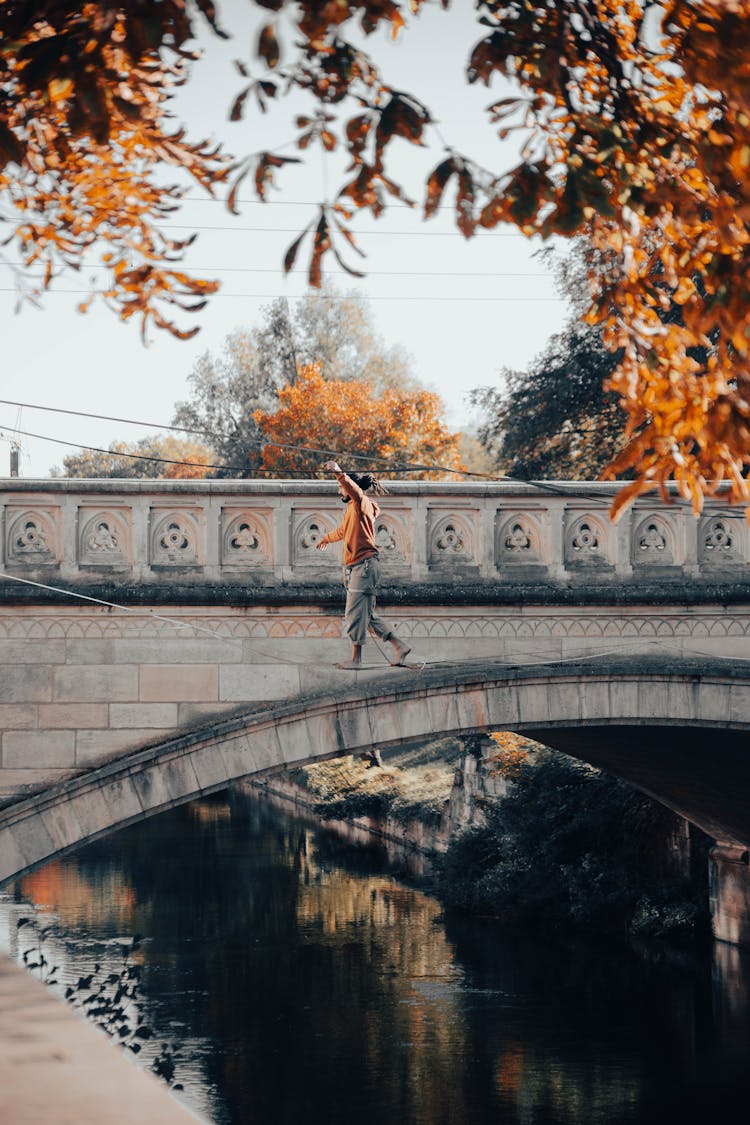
[545, 487]
[303, 296]
[336, 273]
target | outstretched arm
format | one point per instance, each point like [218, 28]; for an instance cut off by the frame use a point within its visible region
[338, 532]
[352, 490]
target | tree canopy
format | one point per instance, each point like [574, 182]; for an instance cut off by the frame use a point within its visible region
[634, 121]
[316, 415]
[331, 330]
[160, 456]
[555, 419]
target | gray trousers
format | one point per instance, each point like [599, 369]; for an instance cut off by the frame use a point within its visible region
[361, 581]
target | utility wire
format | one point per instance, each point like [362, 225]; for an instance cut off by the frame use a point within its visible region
[388, 466]
[300, 271]
[360, 234]
[545, 487]
[304, 296]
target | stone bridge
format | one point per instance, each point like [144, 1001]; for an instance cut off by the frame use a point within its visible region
[160, 639]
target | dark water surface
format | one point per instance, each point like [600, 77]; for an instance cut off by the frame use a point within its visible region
[303, 983]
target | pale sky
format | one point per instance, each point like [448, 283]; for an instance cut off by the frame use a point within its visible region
[463, 310]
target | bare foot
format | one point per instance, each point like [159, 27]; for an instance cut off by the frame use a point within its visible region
[349, 665]
[402, 651]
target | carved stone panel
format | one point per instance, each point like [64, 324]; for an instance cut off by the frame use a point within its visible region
[654, 541]
[309, 527]
[246, 537]
[394, 538]
[721, 539]
[589, 541]
[104, 538]
[33, 537]
[176, 538]
[519, 540]
[453, 539]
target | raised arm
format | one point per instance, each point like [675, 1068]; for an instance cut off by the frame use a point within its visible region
[338, 532]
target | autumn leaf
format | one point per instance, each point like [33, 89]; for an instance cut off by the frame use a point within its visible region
[268, 46]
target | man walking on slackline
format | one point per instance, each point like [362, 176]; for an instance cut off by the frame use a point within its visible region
[361, 564]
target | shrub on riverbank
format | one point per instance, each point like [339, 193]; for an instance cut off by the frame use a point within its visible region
[570, 847]
[411, 785]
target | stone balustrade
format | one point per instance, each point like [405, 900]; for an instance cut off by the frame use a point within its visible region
[264, 533]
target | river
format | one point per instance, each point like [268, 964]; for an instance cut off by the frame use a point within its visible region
[300, 981]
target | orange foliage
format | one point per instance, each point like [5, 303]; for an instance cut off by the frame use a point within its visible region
[325, 416]
[83, 128]
[635, 118]
[513, 750]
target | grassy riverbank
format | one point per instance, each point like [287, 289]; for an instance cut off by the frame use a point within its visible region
[567, 848]
[411, 784]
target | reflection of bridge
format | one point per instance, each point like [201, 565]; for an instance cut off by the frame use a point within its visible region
[215, 661]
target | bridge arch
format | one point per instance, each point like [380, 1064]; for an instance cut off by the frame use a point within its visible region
[679, 734]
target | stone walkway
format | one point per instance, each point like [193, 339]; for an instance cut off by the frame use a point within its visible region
[57, 1069]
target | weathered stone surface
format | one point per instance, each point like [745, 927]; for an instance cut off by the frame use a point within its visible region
[210, 767]
[11, 858]
[144, 715]
[384, 721]
[533, 703]
[27, 684]
[181, 649]
[323, 732]
[181, 778]
[91, 650]
[295, 740]
[38, 749]
[250, 682]
[181, 683]
[594, 697]
[73, 716]
[95, 746]
[443, 712]
[473, 709]
[92, 684]
[739, 704]
[729, 893]
[18, 716]
[354, 725]
[414, 718]
[191, 714]
[714, 702]
[62, 824]
[150, 784]
[92, 810]
[247, 753]
[565, 702]
[32, 839]
[623, 698]
[32, 652]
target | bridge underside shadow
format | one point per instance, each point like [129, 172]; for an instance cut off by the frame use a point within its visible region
[700, 773]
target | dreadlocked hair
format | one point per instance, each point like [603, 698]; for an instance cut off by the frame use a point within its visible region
[367, 481]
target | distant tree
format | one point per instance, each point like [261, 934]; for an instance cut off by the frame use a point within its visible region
[157, 457]
[226, 390]
[336, 330]
[555, 420]
[340, 418]
[333, 330]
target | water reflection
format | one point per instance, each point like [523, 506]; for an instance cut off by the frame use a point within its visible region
[305, 983]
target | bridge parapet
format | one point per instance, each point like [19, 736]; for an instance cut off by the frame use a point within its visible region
[250, 533]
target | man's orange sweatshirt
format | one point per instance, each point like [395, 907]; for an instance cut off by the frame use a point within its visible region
[357, 529]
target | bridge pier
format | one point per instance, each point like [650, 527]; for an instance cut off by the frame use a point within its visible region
[729, 892]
